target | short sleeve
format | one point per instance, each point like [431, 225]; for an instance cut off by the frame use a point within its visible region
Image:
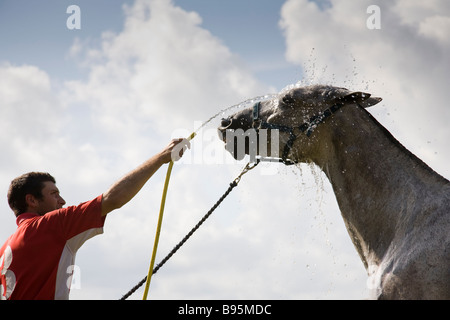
[71, 221]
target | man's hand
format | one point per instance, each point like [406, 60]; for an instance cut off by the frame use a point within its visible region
[175, 150]
[128, 186]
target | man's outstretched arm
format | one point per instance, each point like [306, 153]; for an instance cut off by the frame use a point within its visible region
[128, 186]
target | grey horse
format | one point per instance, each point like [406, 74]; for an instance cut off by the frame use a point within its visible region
[395, 207]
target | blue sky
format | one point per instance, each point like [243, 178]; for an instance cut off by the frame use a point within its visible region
[35, 32]
[89, 105]
[40, 27]
[251, 29]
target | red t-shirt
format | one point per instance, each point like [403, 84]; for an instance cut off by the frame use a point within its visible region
[37, 260]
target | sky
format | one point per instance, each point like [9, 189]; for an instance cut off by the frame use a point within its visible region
[90, 104]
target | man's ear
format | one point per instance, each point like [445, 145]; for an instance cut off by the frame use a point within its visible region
[31, 201]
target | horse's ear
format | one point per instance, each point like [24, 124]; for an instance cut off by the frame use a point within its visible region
[362, 98]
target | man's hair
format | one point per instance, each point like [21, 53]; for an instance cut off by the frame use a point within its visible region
[28, 183]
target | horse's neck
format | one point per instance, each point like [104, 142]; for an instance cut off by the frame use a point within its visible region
[377, 182]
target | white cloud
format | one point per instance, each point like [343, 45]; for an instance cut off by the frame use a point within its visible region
[164, 67]
[276, 236]
[30, 116]
[435, 27]
[27, 102]
[405, 62]
[414, 12]
[162, 73]
[36, 127]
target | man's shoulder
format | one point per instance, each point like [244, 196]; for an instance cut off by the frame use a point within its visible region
[75, 219]
[93, 205]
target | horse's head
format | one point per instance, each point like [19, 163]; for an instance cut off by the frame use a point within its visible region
[298, 117]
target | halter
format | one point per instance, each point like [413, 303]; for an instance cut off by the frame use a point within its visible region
[307, 127]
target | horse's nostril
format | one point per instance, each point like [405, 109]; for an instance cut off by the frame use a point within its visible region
[225, 123]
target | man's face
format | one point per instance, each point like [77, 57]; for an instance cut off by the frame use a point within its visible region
[51, 200]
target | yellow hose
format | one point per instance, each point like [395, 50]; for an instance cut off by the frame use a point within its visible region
[158, 228]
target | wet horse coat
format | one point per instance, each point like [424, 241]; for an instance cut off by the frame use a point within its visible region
[396, 208]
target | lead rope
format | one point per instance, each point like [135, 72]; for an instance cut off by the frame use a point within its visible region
[233, 184]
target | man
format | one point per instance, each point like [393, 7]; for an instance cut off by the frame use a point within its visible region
[36, 259]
